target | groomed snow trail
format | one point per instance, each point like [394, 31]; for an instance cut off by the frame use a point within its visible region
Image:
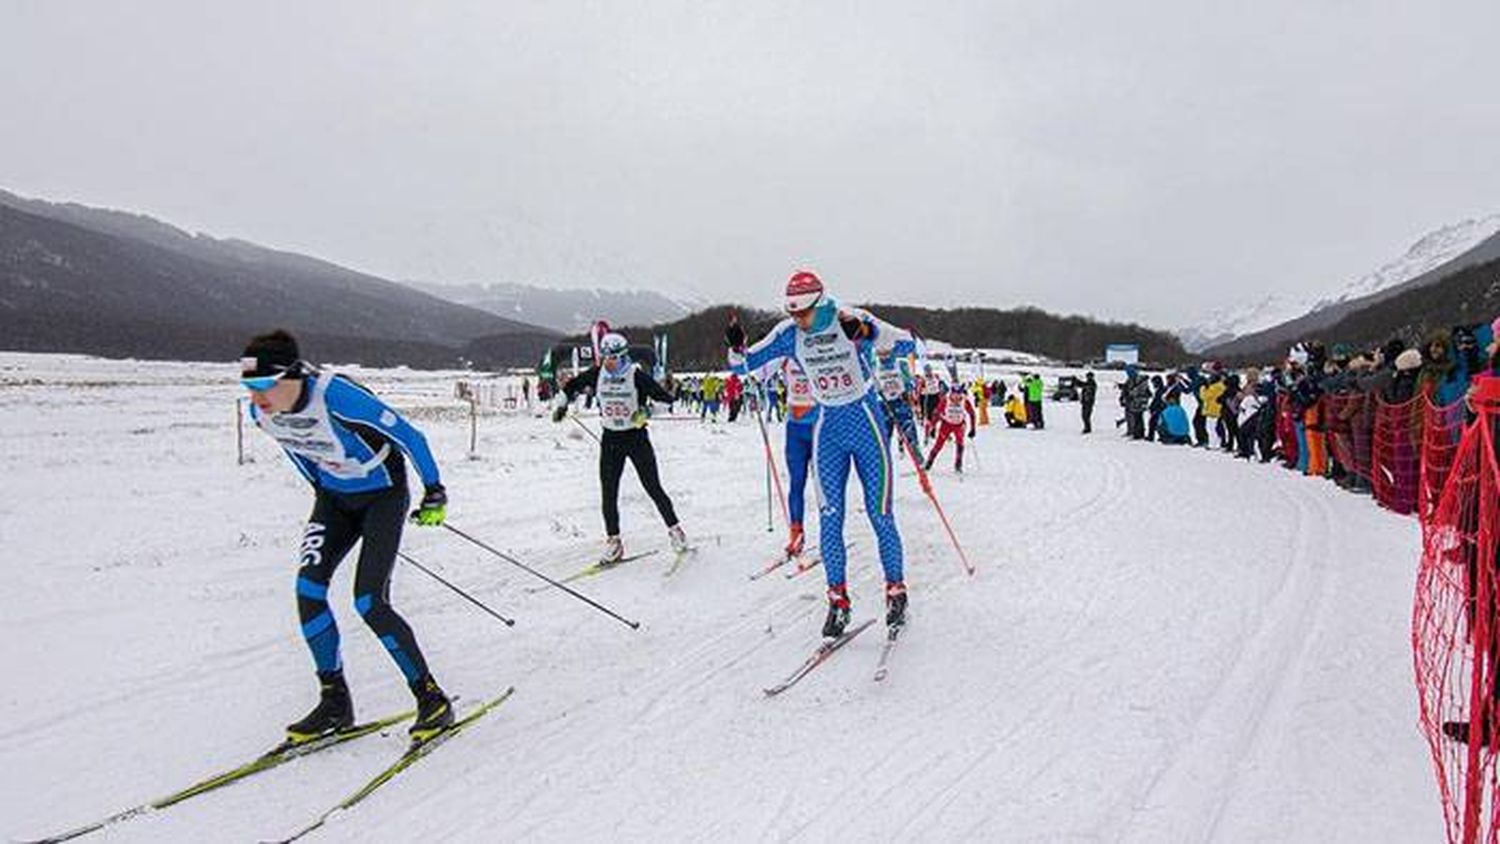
[1160, 644]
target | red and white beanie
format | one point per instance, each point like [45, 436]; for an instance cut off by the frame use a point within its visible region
[803, 290]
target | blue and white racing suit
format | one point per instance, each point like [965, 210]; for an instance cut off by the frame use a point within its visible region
[848, 430]
[893, 379]
[348, 444]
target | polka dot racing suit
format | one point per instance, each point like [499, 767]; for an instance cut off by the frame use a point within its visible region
[849, 430]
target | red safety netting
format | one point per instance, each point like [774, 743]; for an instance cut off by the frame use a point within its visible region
[1363, 429]
[1441, 429]
[1454, 626]
[1396, 454]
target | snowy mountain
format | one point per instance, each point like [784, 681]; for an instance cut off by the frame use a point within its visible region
[1427, 254]
[99, 281]
[566, 310]
[1224, 324]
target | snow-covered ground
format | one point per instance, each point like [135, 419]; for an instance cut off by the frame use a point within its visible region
[1160, 644]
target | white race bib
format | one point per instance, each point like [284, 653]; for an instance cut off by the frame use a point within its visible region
[953, 411]
[618, 400]
[892, 385]
[309, 433]
[799, 389]
[832, 364]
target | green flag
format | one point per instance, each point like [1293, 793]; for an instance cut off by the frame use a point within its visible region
[544, 372]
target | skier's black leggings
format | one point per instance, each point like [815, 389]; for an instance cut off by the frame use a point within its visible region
[337, 522]
[616, 447]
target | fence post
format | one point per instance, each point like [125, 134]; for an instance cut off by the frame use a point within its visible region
[473, 429]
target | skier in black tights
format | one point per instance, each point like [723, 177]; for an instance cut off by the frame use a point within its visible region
[348, 444]
[621, 388]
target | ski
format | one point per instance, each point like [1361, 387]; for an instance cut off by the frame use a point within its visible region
[418, 749]
[278, 755]
[678, 558]
[807, 564]
[882, 667]
[593, 569]
[785, 558]
[771, 566]
[818, 657]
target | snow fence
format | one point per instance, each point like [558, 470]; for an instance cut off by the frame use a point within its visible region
[1454, 618]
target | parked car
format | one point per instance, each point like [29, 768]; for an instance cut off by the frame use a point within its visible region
[1066, 389]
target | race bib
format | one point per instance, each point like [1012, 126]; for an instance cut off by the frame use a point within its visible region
[800, 393]
[310, 434]
[892, 385]
[832, 364]
[953, 412]
[618, 401]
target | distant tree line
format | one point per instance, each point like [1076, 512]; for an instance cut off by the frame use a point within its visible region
[697, 341]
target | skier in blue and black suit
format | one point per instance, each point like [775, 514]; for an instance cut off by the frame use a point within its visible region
[348, 444]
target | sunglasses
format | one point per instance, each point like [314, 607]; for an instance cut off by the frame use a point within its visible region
[262, 383]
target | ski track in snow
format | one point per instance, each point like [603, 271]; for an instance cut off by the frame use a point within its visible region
[1159, 644]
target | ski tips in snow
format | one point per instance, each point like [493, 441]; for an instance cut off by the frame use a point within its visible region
[284, 752]
[818, 657]
[593, 569]
[678, 558]
[883, 668]
[418, 749]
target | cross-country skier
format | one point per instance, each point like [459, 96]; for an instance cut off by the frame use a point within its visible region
[893, 376]
[801, 417]
[832, 345]
[953, 408]
[622, 388]
[348, 444]
[931, 388]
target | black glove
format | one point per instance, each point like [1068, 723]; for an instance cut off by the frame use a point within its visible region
[853, 327]
[971, 433]
[734, 333]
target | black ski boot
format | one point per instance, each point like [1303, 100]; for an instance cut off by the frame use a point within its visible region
[334, 712]
[838, 612]
[895, 605]
[434, 711]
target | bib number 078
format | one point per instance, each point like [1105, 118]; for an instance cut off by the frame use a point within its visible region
[835, 380]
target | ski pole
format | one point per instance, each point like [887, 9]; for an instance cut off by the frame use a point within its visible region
[509, 622]
[771, 468]
[926, 484]
[765, 438]
[586, 429]
[769, 528]
[634, 625]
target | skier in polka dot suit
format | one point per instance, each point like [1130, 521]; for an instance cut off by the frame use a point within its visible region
[835, 346]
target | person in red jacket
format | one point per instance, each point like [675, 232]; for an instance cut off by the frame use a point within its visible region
[734, 394]
[953, 406]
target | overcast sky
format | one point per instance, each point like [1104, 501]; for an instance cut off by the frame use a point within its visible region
[1131, 160]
